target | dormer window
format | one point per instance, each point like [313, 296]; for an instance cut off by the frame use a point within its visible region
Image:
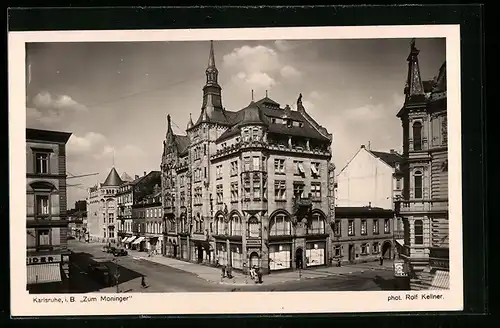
[273, 120]
[289, 123]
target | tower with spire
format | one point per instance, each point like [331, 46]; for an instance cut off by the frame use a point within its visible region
[425, 170]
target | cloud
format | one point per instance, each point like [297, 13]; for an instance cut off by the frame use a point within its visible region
[252, 59]
[47, 110]
[309, 106]
[398, 99]
[257, 80]
[284, 45]
[314, 95]
[365, 113]
[290, 72]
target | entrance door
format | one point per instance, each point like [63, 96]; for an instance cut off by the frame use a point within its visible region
[351, 252]
[200, 254]
[254, 260]
[386, 249]
[299, 258]
[175, 251]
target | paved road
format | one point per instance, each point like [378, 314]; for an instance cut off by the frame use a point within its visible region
[163, 278]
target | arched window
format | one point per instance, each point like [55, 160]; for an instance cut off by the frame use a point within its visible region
[235, 225]
[253, 227]
[280, 225]
[417, 136]
[419, 232]
[417, 185]
[317, 225]
[220, 224]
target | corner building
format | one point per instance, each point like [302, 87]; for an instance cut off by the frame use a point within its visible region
[248, 187]
[424, 207]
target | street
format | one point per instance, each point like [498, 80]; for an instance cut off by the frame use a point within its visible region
[165, 278]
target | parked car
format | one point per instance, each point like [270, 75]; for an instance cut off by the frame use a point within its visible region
[120, 252]
[105, 249]
[101, 273]
[111, 249]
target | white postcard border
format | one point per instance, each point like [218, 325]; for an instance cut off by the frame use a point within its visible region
[22, 303]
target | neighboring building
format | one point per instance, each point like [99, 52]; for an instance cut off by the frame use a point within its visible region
[103, 209]
[77, 220]
[148, 222]
[373, 178]
[424, 207]
[47, 255]
[248, 187]
[132, 214]
[362, 234]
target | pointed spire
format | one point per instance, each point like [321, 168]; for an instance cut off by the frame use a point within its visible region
[190, 122]
[211, 57]
[266, 93]
[414, 85]
[252, 94]
[169, 123]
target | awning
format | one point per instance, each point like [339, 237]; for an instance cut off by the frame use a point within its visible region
[400, 241]
[123, 240]
[138, 240]
[301, 168]
[441, 280]
[43, 273]
[130, 239]
[314, 169]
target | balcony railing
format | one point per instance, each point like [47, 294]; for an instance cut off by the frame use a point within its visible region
[423, 206]
[398, 234]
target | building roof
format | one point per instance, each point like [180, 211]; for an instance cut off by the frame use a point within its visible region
[125, 177]
[270, 109]
[47, 135]
[363, 212]
[390, 158]
[252, 115]
[113, 179]
[182, 143]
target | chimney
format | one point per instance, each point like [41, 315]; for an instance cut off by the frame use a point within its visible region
[144, 173]
[369, 204]
[136, 177]
[363, 146]
[393, 151]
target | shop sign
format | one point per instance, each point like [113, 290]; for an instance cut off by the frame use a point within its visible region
[399, 268]
[43, 259]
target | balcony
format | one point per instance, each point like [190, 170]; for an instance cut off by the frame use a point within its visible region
[412, 206]
[399, 234]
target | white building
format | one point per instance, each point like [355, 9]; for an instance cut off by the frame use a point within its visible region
[370, 178]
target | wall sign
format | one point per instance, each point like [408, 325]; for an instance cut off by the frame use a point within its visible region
[399, 268]
[43, 259]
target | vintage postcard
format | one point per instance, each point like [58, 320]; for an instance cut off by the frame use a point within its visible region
[269, 170]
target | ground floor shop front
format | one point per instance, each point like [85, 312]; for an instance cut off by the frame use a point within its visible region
[47, 273]
[354, 251]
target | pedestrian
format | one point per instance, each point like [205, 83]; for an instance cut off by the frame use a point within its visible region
[143, 282]
[223, 273]
[338, 262]
[381, 260]
[259, 275]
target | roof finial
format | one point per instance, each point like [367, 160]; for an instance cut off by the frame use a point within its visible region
[211, 57]
[252, 94]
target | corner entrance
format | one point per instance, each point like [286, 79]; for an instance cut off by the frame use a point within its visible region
[200, 254]
[387, 249]
[351, 252]
[254, 259]
[299, 258]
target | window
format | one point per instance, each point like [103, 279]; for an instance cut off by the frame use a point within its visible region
[253, 227]
[363, 227]
[280, 190]
[247, 163]
[300, 168]
[317, 225]
[111, 233]
[218, 172]
[419, 232]
[387, 226]
[234, 191]
[315, 169]
[444, 166]
[375, 248]
[375, 227]
[246, 135]
[273, 120]
[256, 187]
[246, 186]
[42, 163]
[205, 172]
[398, 184]
[417, 136]
[256, 134]
[298, 189]
[444, 129]
[365, 249]
[183, 198]
[205, 150]
[219, 225]
[111, 217]
[42, 205]
[43, 237]
[220, 194]
[350, 228]
[280, 225]
[338, 251]
[417, 180]
[234, 168]
[279, 166]
[235, 225]
[316, 190]
[256, 163]
[289, 123]
[337, 228]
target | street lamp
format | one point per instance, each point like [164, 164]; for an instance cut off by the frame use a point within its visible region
[117, 276]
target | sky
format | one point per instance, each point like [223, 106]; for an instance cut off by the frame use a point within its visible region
[114, 97]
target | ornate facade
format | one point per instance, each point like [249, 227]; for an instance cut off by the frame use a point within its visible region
[248, 187]
[424, 207]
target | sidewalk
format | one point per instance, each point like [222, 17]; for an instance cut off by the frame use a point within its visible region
[214, 274]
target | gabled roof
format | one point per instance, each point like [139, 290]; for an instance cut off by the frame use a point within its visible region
[390, 159]
[113, 179]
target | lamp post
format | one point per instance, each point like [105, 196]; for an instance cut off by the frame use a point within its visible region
[117, 276]
[211, 219]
